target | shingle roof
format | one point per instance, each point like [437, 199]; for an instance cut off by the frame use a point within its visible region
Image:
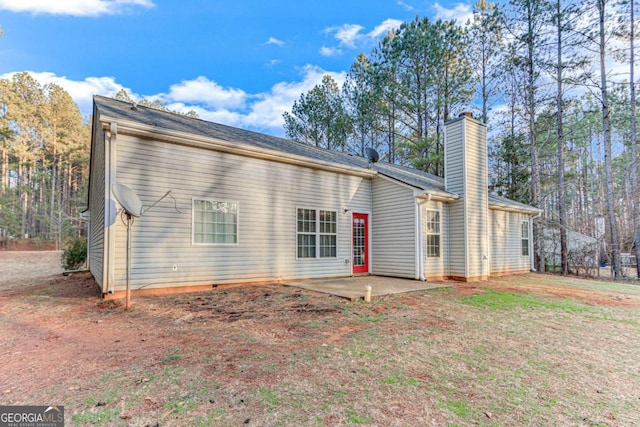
[120, 110]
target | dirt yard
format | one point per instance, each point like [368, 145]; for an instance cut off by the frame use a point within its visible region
[520, 350]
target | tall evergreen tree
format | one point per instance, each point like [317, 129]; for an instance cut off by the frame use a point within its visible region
[319, 117]
[606, 121]
[527, 24]
[485, 42]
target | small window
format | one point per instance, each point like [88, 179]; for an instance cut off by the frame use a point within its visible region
[433, 234]
[306, 233]
[215, 222]
[525, 238]
[328, 234]
[316, 233]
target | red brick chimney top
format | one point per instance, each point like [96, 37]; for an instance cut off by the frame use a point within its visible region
[466, 114]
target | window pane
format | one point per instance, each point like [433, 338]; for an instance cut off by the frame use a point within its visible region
[328, 222]
[433, 234]
[525, 238]
[306, 246]
[215, 222]
[328, 238]
[327, 246]
[433, 246]
[306, 221]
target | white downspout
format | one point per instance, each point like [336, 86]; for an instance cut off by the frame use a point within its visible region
[420, 273]
[109, 243]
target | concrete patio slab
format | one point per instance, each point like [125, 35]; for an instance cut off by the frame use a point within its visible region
[353, 288]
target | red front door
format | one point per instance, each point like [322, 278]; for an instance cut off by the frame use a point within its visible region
[360, 243]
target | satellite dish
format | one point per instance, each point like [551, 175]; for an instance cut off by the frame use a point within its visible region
[128, 199]
[132, 207]
[372, 155]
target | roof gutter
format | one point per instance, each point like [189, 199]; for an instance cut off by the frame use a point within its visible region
[436, 195]
[516, 209]
[239, 148]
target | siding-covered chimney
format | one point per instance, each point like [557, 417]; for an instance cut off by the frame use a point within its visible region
[465, 169]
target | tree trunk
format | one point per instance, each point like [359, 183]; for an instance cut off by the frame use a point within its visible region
[533, 148]
[562, 199]
[634, 144]
[606, 129]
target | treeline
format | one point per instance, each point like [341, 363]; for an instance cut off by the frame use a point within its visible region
[561, 124]
[44, 161]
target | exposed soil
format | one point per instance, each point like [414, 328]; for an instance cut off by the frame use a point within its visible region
[276, 355]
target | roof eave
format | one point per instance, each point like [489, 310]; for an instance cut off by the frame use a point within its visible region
[239, 148]
[517, 209]
[437, 195]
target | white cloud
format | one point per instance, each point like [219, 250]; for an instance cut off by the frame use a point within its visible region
[460, 12]
[206, 92]
[329, 51]
[273, 40]
[261, 112]
[266, 112]
[352, 37]
[348, 34]
[74, 7]
[405, 6]
[384, 28]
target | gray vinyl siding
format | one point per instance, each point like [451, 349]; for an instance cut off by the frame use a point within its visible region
[96, 206]
[393, 230]
[437, 267]
[454, 181]
[506, 250]
[477, 199]
[267, 193]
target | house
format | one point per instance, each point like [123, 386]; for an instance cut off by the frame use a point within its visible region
[583, 252]
[247, 207]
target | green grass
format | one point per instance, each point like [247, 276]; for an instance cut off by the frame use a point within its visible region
[573, 282]
[270, 397]
[458, 407]
[498, 300]
[99, 416]
[352, 417]
[399, 380]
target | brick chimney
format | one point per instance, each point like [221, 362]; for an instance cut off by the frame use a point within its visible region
[465, 174]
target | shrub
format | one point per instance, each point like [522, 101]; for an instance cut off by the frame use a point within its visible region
[74, 254]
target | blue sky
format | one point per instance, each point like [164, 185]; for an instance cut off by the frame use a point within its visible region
[238, 62]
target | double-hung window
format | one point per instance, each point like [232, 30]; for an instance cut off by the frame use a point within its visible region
[215, 222]
[433, 234]
[524, 237]
[317, 233]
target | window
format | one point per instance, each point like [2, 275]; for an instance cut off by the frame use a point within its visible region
[306, 233]
[433, 234]
[317, 233]
[215, 222]
[524, 233]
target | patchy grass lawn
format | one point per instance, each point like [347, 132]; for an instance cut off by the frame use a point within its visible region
[520, 350]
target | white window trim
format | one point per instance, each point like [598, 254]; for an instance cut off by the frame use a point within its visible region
[427, 233]
[193, 218]
[528, 239]
[317, 232]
